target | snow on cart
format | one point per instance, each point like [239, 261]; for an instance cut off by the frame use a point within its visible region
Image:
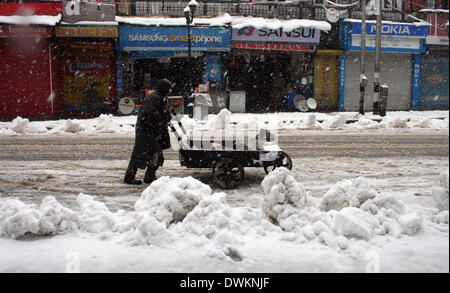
[227, 148]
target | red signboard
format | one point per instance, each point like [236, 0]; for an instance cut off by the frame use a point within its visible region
[438, 31]
[19, 31]
[276, 47]
[47, 8]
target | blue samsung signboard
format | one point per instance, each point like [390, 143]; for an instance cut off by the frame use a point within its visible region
[133, 38]
[395, 37]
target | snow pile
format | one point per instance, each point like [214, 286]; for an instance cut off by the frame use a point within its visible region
[310, 122]
[231, 123]
[18, 218]
[350, 209]
[19, 125]
[95, 217]
[397, 122]
[336, 121]
[420, 123]
[166, 201]
[221, 121]
[169, 200]
[353, 222]
[283, 197]
[72, 126]
[347, 193]
[56, 219]
[366, 123]
[106, 124]
[440, 193]
[184, 209]
[410, 223]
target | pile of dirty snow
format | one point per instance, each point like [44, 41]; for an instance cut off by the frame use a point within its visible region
[185, 210]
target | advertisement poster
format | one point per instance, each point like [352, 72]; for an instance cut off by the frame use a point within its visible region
[83, 69]
[434, 81]
[297, 36]
[326, 81]
[214, 68]
[174, 39]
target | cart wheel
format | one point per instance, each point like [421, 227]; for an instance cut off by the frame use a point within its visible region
[283, 160]
[228, 173]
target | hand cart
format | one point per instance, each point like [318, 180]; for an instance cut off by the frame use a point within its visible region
[228, 160]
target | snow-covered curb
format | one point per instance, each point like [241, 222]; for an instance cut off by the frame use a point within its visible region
[112, 125]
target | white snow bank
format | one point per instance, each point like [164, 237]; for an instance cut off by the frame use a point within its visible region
[169, 200]
[351, 208]
[184, 209]
[353, 222]
[440, 193]
[56, 219]
[19, 125]
[337, 121]
[95, 217]
[347, 193]
[72, 126]
[236, 122]
[411, 223]
[282, 192]
[18, 218]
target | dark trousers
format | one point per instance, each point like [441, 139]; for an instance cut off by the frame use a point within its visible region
[150, 172]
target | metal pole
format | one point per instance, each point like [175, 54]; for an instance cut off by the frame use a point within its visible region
[362, 77]
[189, 38]
[376, 82]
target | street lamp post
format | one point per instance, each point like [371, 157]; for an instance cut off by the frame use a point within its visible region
[189, 12]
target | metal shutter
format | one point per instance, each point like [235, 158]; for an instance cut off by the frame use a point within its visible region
[396, 72]
[24, 77]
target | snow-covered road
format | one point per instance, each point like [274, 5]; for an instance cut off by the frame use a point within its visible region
[330, 214]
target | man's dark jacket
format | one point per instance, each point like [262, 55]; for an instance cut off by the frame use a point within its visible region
[152, 135]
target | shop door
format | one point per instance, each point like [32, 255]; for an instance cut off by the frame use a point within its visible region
[396, 72]
[25, 84]
[433, 93]
[326, 80]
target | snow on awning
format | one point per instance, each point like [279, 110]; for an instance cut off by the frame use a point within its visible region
[175, 21]
[239, 22]
[32, 19]
[434, 10]
[418, 23]
[225, 20]
[92, 23]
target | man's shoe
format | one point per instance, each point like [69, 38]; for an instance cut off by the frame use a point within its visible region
[146, 181]
[133, 181]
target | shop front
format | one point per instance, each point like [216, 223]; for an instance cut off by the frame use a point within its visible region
[27, 69]
[274, 68]
[433, 93]
[401, 46]
[149, 53]
[86, 58]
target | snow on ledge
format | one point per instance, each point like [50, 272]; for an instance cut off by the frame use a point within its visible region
[286, 25]
[434, 10]
[32, 19]
[225, 19]
[421, 23]
[96, 23]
